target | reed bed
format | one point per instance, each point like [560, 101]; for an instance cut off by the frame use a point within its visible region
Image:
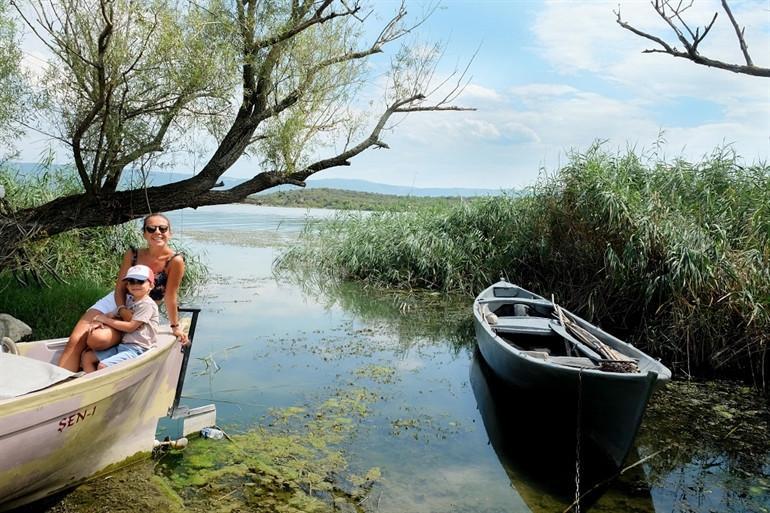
[672, 255]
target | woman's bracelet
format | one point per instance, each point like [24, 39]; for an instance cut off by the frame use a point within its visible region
[174, 325]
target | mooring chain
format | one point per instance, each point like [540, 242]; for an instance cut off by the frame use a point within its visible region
[577, 441]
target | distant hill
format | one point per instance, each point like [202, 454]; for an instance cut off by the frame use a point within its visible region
[161, 177]
[339, 199]
[396, 190]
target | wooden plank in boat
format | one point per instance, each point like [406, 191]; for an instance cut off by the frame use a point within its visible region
[523, 325]
[574, 361]
[517, 301]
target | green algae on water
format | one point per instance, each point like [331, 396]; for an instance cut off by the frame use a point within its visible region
[293, 462]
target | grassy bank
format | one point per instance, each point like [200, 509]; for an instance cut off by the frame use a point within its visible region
[672, 255]
[52, 311]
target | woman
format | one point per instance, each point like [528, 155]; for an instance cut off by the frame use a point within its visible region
[168, 267]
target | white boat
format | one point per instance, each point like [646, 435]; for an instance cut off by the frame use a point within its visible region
[80, 426]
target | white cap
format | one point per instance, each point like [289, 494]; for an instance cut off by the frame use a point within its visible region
[140, 272]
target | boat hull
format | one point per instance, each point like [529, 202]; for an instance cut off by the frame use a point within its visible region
[537, 450]
[56, 438]
[606, 406]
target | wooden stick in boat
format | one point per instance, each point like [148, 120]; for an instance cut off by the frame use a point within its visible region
[625, 362]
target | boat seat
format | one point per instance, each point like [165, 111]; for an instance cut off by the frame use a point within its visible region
[540, 355]
[574, 361]
[518, 301]
[523, 325]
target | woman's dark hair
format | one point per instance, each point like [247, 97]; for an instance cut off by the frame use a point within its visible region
[144, 221]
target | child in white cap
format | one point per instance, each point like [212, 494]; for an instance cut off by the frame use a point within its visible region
[138, 334]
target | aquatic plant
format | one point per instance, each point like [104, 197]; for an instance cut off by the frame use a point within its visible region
[719, 463]
[415, 317]
[672, 254]
[291, 463]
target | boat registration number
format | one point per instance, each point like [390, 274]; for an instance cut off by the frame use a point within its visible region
[75, 418]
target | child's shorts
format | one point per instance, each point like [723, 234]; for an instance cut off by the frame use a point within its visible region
[119, 353]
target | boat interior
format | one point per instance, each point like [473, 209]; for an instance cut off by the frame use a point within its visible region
[540, 329]
[528, 324]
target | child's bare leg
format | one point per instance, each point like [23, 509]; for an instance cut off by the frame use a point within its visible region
[102, 338]
[88, 361]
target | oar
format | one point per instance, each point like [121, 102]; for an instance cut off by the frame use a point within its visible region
[587, 351]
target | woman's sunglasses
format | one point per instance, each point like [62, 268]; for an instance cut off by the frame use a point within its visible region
[151, 229]
[133, 281]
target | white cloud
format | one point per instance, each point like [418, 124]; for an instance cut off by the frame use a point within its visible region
[583, 38]
[477, 92]
[585, 80]
[478, 128]
[516, 132]
[541, 90]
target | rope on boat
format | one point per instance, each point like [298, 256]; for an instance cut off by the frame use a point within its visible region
[577, 440]
[613, 361]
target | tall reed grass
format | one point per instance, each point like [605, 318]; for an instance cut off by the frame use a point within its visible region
[671, 254]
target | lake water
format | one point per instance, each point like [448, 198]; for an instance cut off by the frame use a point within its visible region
[266, 345]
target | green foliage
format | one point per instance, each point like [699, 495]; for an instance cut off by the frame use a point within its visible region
[347, 200]
[52, 311]
[91, 254]
[54, 280]
[309, 64]
[10, 73]
[122, 71]
[672, 254]
[434, 247]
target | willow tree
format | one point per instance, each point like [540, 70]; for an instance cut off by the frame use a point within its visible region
[10, 78]
[134, 81]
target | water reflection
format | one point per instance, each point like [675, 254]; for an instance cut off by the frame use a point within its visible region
[539, 455]
[711, 441]
[413, 316]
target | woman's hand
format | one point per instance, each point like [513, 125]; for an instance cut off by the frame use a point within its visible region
[99, 319]
[181, 335]
[96, 323]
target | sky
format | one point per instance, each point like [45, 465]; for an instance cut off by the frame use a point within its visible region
[552, 77]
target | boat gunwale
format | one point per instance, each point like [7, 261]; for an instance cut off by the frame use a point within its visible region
[100, 378]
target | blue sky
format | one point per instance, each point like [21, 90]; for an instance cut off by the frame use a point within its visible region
[553, 76]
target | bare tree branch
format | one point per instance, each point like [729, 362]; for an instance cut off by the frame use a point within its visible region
[673, 17]
[739, 32]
